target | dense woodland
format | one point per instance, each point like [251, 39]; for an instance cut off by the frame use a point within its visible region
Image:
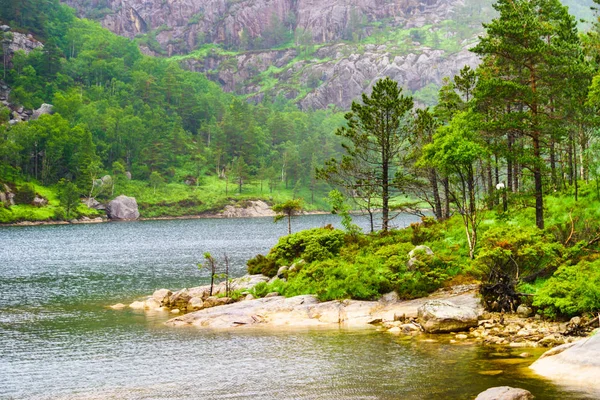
[117, 110]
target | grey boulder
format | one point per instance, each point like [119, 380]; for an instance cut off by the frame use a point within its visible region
[123, 208]
[438, 316]
[505, 393]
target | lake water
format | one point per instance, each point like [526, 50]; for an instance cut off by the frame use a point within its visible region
[59, 341]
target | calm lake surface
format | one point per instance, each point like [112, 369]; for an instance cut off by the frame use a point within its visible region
[59, 341]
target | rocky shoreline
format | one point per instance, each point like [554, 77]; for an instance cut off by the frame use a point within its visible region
[457, 311]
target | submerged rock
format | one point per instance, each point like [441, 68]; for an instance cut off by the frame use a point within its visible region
[438, 316]
[505, 393]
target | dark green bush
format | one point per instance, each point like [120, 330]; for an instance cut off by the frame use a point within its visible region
[25, 194]
[262, 265]
[512, 254]
[572, 290]
[311, 245]
[427, 230]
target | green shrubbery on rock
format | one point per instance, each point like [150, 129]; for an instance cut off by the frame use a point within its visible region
[572, 290]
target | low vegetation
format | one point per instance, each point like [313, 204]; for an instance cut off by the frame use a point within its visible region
[560, 278]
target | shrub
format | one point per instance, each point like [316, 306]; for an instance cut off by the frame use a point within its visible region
[25, 194]
[260, 290]
[425, 231]
[365, 279]
[262, 265]
[509, 255]
[427, 274]
[311, 245]
[572, 290]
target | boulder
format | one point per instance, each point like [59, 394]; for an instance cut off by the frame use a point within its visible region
[505, 393]
[413, 255]
[151, 304]
[123, 208]
[523, 311]
[577, 363]
[137, 305]
[180, 299]
[44, 109]
[162, 296]
[91, 202]
[437, 316]
[195, 304]
[213, 301]
[39, 201]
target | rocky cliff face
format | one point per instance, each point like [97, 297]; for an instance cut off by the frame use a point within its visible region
[181, 25]
[334, 76]
[13, 42]
[336, 73]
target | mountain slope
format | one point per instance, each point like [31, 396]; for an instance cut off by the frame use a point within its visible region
[312, 53]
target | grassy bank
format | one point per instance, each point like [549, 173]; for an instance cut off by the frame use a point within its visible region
[210, 195]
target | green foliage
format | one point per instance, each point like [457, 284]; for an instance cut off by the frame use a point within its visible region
[260, 290]
[68, 196]
[309, 245]
[262, 265]
[572, 290]
[333, 279]
[25, 194]
[338, 206]
[509, 255]
[517, 252]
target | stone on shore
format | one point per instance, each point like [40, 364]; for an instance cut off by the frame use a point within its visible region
[123, 208]
[195, 304]
[577, 363]
[162, 296]
[505, 393]
[179, 299]
[439, 316]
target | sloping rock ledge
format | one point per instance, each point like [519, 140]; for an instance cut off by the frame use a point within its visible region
[573, 363]
[307, 311]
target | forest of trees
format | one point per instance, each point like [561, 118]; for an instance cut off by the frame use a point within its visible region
[117, 110]
[522, 125]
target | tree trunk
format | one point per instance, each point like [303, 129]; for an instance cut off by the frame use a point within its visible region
[437, 202]
[537, 177]
[446, 185]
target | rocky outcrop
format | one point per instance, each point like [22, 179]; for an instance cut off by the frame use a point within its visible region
[123, 208]
[251, 209]
[505, 393]
[306, 311]
[17, 41]
[180, 26]
[7, 195]
[337, 75]
[573, 363]
[438, 316]
[45, 109]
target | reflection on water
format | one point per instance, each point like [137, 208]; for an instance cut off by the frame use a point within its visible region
[59, 341]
